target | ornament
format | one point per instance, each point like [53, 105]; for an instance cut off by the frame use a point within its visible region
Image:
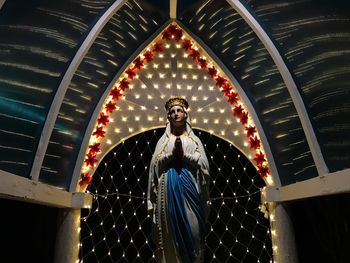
[212, 72]
[103, 119]
[250, 130]
[148, 55]
[85, 179]
[138, 63]
[110, 106]
[158, 47]
[94, 149]
[99, 132]
[259, 158]
[254, 142]
[124, 84]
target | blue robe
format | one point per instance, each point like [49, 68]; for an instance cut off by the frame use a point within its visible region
[178, 194]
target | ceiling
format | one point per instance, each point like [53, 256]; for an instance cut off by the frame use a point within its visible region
[59, 59]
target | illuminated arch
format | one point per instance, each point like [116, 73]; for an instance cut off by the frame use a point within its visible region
[119, 100]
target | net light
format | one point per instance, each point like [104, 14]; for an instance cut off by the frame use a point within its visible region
[216, 120]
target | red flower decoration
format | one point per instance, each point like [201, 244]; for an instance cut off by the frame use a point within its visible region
[177, 34]
[250, 130]
[226, 88]
[232, 98]
[85, 179]
[244, 118]
[259, 158]
[238, 110]
[94, 149]
[138, 63]
[124, 84]
[148, 55]
[202, 63]
[220, 81]
[158, 47]
[172, 32]
[166, 35]
[99, 132]
[263, 171]
[194, 54]
[212, 72]
[103, 119]
[254, 143]
[110, 106]
[187, 44]
[115, 93]
[171, 28]
[90, 160]
[131, 73]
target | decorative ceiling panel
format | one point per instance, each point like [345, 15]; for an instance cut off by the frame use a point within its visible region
[124, 33]
[316, 45]
[38, 39]
[237, 46]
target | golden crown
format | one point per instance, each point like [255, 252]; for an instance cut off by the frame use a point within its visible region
[176, 100]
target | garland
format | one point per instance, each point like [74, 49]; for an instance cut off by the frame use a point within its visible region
[172, 32]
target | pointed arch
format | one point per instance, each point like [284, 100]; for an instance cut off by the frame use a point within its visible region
[200, 61]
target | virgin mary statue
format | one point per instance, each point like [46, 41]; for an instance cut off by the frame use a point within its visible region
[178, 196]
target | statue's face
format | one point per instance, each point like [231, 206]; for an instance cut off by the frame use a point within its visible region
[177, 116]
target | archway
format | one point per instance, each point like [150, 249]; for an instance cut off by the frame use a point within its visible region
[117, 228]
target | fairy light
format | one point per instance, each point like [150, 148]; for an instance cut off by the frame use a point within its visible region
[129, 215]
[268, 178]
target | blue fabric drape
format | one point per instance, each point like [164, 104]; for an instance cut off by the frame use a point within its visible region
[180, 187]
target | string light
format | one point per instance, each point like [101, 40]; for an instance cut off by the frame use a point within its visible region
[134, 73]
[123, 210]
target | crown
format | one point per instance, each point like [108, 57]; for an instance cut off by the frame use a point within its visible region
[176, 100]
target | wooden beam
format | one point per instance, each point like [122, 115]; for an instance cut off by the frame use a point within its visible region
[330, 184]
[25, 190]
[172, 11]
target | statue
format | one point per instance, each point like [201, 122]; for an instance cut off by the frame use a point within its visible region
[178, 189]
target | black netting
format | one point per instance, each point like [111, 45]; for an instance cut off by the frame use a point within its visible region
[118, 229]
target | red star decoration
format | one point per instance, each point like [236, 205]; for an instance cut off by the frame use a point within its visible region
[103, 119]
[194, 54]
[259, 158]
[85, 179]
[250, 130]
[232, 98]
[90, 160]
[166, 35]
[263, 171]
[212, 71]
[115, 93]
[170, 32]
[158, 47]
[220, 81]
[131, 73]
[138, 63]
[177, 34]
[186, 44]
[202, 63]
[99, 132]
[226, 88]
[244, 118]
[254, 143]
[110, 106]
[148, 55]
[94, 149]
[237, 111]
[124, 84]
